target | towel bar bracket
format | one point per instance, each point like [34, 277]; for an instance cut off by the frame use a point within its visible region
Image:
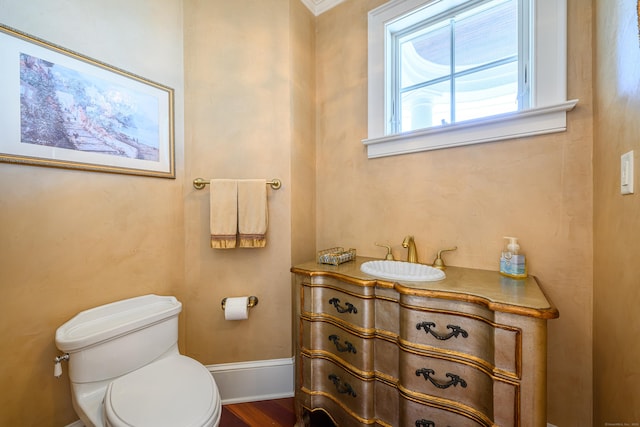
[200, 183]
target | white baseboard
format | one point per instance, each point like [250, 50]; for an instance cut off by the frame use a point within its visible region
[254, 381]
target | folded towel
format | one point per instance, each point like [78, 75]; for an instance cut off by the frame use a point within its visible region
[223, 219]
[253, 215]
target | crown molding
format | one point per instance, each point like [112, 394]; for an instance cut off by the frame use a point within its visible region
[318, 7]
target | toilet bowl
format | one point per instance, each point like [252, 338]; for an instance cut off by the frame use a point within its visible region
[125, 368]
[175, 391]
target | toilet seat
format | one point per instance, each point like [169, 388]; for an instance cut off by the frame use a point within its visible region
[175, 391]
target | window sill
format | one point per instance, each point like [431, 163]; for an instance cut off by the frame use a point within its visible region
[535, 121]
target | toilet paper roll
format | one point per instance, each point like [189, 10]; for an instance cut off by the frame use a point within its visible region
[236, 308]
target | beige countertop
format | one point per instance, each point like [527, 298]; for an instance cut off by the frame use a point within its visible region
[490, 288]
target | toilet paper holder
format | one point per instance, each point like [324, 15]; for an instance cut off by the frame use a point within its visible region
[251, 302]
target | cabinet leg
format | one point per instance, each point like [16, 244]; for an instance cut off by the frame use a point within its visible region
[303, 417]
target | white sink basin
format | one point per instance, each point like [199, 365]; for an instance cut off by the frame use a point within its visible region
[400, 270]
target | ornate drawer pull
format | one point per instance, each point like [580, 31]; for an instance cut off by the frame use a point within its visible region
[343, 388]
[342, 348]
[425, 423]
[455, 331]
[336, 303]
[455, 379]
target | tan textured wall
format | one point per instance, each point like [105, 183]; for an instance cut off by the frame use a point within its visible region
[244, 120]
[303, 125]
[616, 217]
[538, 189]
[72, 240]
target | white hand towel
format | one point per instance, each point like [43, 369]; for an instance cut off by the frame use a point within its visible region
[223, 219]
[253, 215]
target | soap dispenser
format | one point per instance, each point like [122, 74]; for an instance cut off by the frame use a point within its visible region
[513, 263]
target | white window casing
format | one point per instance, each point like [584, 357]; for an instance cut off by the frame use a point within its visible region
[549, 105]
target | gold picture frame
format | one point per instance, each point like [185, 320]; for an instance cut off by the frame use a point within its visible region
[63, 109]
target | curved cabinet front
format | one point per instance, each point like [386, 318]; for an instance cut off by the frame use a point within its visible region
[326, 339]
[341, 304]
[473, 333]
[354, 394]
[372, 352]
[457, 382]
[415, 413]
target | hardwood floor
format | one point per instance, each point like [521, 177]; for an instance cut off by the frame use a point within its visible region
[267, 413]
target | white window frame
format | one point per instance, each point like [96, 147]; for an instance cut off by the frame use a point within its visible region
[549, 105]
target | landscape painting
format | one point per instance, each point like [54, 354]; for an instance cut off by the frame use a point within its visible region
[65, 110]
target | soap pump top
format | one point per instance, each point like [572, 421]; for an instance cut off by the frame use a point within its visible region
[513, 245]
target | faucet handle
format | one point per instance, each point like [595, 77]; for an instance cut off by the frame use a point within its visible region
[389, 255]
[439, 262]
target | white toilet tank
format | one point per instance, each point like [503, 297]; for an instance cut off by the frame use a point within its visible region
[111, 340]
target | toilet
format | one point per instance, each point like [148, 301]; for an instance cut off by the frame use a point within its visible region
[126, 370]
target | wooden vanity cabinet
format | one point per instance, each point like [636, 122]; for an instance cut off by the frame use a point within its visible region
[469, 350]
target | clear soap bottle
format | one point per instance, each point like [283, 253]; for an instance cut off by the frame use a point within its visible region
[512, 262]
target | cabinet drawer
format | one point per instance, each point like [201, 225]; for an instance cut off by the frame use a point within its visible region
[462, 333]
[446, 379]
[326, 337]
[352, 309]
[355, 394]
[414, 413]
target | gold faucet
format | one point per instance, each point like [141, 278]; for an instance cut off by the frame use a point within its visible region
[412, 253]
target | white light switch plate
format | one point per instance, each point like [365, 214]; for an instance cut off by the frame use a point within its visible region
[626, 173]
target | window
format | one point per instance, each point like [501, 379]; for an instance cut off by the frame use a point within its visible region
[451, 69]
[456, 72]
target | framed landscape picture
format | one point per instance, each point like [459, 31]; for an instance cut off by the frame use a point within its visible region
[59, 108]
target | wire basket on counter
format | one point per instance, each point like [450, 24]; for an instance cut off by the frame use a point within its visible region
[336, 256]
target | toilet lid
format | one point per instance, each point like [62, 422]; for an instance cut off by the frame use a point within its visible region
[176, 391]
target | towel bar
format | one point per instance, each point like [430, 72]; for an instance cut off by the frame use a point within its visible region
[200, 183]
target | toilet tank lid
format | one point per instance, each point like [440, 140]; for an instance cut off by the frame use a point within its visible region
[108, 321]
